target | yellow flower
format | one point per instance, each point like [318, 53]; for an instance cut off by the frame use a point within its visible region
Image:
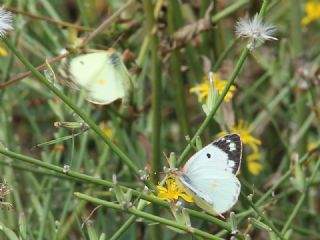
[311, 146]
[106, 129]
[3, 52]
[254, 166]
[172, 191]
[203, 89]
[245, 129]
[312, 9]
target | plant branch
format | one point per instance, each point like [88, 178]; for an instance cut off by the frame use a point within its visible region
[148, 216]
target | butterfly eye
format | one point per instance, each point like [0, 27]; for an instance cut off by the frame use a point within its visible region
[208, 155]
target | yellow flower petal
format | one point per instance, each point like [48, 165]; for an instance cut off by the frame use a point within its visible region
[186, 197]
[3, 52]
[255, 167]
[202, 90]
[163, 196]
[172, 191]
[161, 188]
[312, 10]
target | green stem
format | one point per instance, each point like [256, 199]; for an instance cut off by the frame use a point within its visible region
[47, 205]
[296, 29]
[83, 13]
[297, 50]
[156, 90]
[228, 10]
[127, 224]
[147, 216]
[156, 104]
[131, 220]
[223, 55]
[262, 215]
[206, 122]
[301, 199]
[88, 179]
[176, 73]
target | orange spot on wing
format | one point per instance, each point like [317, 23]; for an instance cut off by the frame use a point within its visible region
[214, 185]
[102, 82]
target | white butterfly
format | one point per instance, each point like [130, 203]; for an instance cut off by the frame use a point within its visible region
[209, 176]
[102, 75]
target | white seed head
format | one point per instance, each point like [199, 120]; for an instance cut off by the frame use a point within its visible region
[5, 22]
[255, 30]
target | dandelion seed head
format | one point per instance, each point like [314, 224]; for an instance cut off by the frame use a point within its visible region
[5, 22]
[255, 30]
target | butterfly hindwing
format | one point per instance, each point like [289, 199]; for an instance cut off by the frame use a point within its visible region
[216, 192]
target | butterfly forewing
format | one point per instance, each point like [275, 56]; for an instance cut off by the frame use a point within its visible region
[223, 154]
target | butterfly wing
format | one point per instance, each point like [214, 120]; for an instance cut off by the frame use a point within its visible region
[223, 154]
[101, 75]
[209, 175]
[214, 191]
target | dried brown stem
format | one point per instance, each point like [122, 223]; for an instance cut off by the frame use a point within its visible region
[49, 20]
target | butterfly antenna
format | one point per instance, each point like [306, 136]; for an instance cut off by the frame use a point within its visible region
[117, 41]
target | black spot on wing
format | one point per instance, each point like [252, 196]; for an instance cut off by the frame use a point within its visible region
[232, 145]
[208, 155]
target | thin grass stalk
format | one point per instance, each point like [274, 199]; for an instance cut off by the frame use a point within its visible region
[207, 38]
[49, 20]
[132, 219]
[44, 222]
[297, 50]
[223, 55]
[264, 218]
[156, 105]
[177, 79]
[228, 10]
[83, 13]
[156, 90]
[301, 199]
[147, 216]
[124, 227]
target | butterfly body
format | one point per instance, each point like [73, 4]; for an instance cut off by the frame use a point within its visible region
[209, 176]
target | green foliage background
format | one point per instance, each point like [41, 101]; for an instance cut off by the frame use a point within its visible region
[277, 93]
